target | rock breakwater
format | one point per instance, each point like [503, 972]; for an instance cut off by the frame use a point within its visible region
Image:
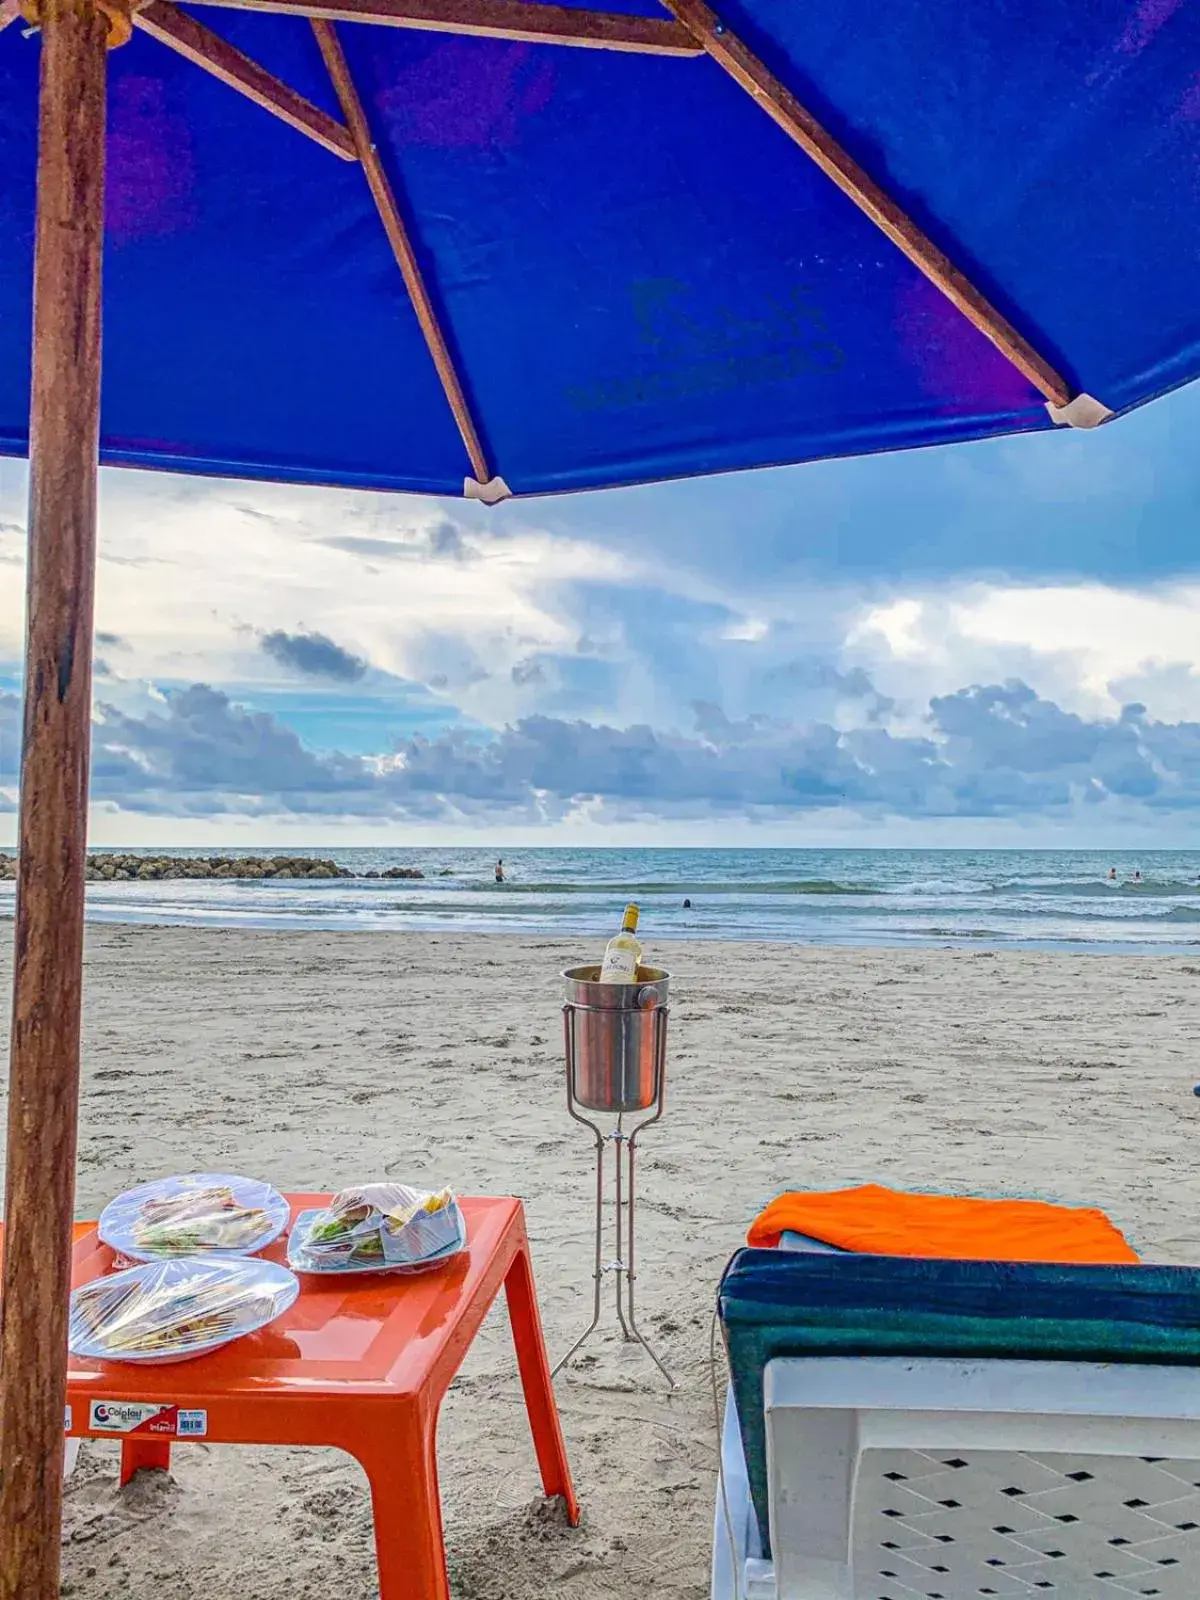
[117, 868]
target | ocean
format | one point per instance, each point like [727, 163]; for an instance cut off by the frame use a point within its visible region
[1023, 898]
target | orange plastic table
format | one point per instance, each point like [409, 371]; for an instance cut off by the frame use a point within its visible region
[360, 1363]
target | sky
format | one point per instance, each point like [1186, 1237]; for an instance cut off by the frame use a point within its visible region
[991, 644]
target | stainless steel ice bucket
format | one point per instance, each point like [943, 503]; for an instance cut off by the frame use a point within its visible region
[616, 1038]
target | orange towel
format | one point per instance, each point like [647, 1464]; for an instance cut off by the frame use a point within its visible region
[886, 1222]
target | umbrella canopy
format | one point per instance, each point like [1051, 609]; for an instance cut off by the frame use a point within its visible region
[627, 270]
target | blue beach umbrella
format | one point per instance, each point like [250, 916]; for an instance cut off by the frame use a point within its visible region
[502, 247]
[625, 266]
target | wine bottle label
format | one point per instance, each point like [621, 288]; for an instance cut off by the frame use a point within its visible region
[620, 966]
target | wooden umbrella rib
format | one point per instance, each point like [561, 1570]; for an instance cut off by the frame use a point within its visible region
[529, 21]
[196, 43]
[729, 52]
[397, 233]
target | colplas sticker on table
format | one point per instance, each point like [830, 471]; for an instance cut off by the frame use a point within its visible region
[146, 1417]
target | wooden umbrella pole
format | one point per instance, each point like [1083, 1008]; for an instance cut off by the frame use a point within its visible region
[48, 957]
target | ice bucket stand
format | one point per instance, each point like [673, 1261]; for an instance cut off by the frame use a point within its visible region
[615, 1038]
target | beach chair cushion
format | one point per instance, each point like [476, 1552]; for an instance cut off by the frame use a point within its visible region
[777, 1303]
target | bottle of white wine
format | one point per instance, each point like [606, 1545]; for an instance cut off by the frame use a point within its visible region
[624, 953]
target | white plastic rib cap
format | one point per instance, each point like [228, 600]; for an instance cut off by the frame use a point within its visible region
[1083, 412]
[491, 492]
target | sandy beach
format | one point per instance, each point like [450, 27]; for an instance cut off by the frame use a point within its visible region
[313, 1060]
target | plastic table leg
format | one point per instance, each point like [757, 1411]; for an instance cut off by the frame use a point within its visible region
[534, 1367]
[402, 1472]
[144, 1455]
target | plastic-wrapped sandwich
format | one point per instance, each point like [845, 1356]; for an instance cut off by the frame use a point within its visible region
[173, 1310]
[378, 1227]
[195, 1213]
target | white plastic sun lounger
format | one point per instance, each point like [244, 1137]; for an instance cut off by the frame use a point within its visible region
[906, 1470]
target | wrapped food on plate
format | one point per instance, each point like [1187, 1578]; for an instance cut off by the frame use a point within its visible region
[378, 1227]
[173, 1310]
[198, 1213]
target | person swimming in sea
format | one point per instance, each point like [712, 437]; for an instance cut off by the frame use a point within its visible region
[500, 870]
[1112, 874]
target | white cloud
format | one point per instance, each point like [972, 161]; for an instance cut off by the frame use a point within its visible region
[1109, 632]
[565, 653]
[1093, 647]
[998, 752]
[747, 630]
[900, 624]
[192, 574]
